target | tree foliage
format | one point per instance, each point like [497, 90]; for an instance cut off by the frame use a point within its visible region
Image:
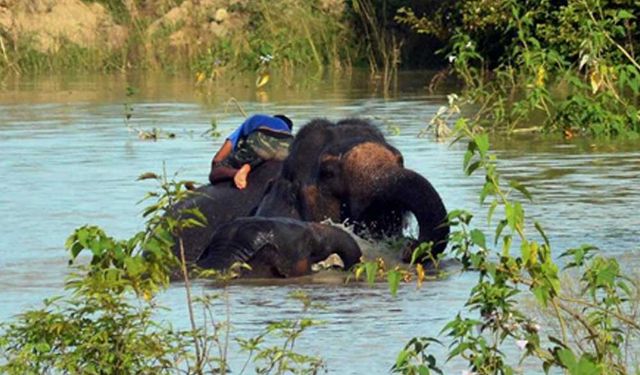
[567, 66]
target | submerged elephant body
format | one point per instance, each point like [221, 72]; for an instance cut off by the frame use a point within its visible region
[344, 171]
[277, 247]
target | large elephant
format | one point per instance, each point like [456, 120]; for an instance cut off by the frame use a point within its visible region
[344, 171]
[277, 247]
[348, 172]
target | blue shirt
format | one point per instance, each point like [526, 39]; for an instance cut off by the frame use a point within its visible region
[256, 122]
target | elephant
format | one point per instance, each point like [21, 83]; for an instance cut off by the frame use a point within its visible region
[345, 172]
[277, 247]
[221, 203]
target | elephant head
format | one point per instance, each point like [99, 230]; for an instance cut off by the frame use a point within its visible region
[348, 172]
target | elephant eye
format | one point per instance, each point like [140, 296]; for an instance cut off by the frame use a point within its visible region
[326, 173]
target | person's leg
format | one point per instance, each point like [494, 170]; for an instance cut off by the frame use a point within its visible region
[244, 158]
[228, 168]
[269, 145]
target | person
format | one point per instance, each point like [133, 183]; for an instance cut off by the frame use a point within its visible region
[258, 139]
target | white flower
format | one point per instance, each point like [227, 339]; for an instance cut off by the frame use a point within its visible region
[521, 344]
[266, 58]
[451, 58]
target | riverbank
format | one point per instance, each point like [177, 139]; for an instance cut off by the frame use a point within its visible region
[208, 36]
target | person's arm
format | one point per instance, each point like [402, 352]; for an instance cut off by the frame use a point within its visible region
[223, 152]
[218, 172]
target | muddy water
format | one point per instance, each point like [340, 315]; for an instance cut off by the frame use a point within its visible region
[67, 158]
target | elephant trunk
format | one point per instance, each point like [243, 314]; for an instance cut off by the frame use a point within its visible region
[402, 191]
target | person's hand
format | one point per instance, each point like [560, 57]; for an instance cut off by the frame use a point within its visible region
[240, 179]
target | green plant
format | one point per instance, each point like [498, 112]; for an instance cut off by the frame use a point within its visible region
[94, 331]
[572, 66]
[383, 45]
[281, 358]
[99, 328]
[21, 57]
[413, 359]
[213, 131]
[603, 315]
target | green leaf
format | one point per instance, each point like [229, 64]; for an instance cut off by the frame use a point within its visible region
[514, 214]
[585, 367]
[371, 268]
[487, 189]
[542, 233]
[467, 159]
[472, 168]
[499, 228]
[607, 274]
[625, 288]
[542, 294]
[525, 251]
[624, 14]
[393, 277]
[76, 249]
[492, 209]
[506, 245]
[482, 141]
[134, 266]
[401, 360]
[82, 236]
[478, 238]
[190, 223]
[42, 347]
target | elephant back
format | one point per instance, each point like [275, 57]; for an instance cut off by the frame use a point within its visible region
[221, 203]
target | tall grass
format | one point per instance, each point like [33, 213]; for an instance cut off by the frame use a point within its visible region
[382, 45]
[21, 57]
[282, 34]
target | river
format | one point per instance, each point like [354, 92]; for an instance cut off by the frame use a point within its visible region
[68, 158]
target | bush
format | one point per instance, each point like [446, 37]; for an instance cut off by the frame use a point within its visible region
[571, 63]
[596, 327]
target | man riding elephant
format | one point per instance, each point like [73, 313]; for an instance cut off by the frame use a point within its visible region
[344, 171]
[258, 139]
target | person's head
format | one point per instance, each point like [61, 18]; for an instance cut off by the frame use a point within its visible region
[286, 120]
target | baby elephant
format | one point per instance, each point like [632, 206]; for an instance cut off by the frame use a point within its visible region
[277, 247]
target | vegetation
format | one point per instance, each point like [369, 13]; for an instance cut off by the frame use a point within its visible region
[248, 36]
[569, 66]
[589, 329]
[283, 35]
